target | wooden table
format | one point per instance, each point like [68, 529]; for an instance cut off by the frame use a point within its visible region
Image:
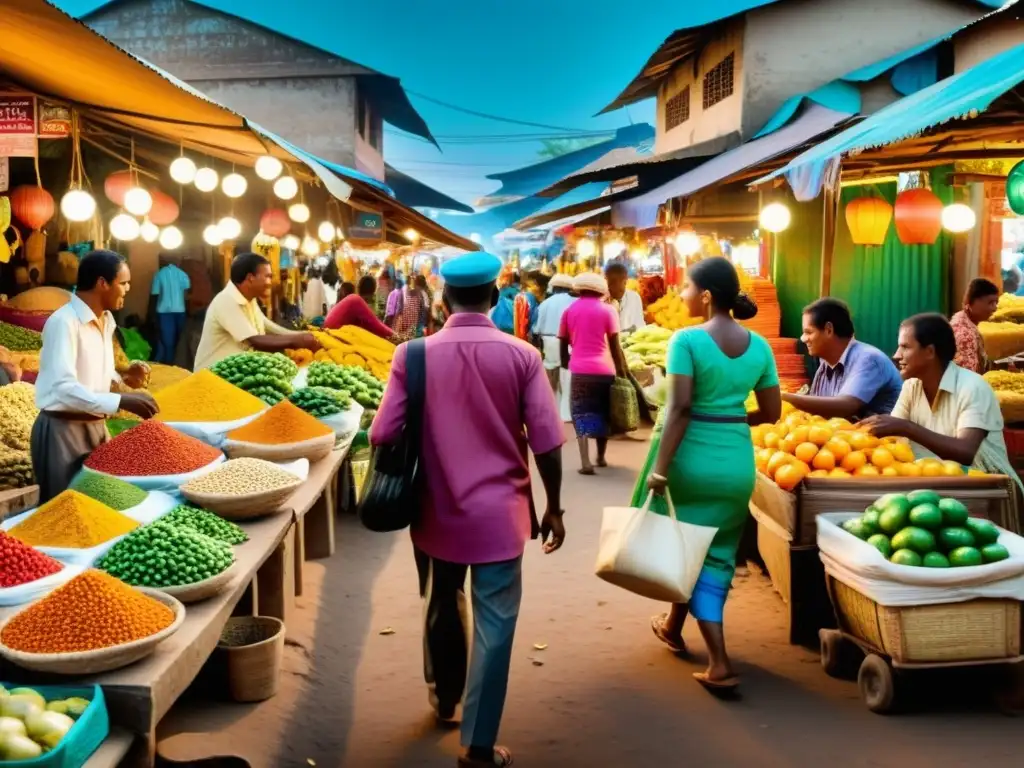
[18, 500]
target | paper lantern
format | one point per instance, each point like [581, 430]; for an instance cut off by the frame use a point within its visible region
[138, 201]
[206, 179]
[116, 186]
[183, 170]
[165, 209]
[275, 222]
[124, 227]
[268, 167]
[212, 235]
[32, 205]
[171, 238]
[868, 219]
[775, 217]
[299, 212]
[149, 231]
[1015, 188]
[286, 188]
[234, 185]
[918, 214]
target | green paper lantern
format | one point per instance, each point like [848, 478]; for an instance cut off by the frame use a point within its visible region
[1015, 188]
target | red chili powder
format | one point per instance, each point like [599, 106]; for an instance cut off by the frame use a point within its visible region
[20, 563]
[151, 448]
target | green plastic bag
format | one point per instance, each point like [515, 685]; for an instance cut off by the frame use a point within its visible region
[135, 347]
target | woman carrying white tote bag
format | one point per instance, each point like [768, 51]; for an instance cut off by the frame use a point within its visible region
[650, 554]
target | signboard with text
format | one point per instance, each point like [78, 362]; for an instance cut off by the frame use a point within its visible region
[366, 226]
[17, 125]
[54, 121]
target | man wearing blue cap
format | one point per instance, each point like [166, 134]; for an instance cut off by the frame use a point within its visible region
[488, 404]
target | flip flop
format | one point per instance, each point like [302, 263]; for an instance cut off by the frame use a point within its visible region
[502, 757]
[728, 685]
[658, 627]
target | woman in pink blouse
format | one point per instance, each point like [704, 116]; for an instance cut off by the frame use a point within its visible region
[980, 302]
[589, 335]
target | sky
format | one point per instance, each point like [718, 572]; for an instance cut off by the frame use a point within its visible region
[555, 62]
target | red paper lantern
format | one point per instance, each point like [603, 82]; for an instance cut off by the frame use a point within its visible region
[275, 222]
[918, 214]
[116, 185]
[165, 209]
[32, 205]
[868, 219]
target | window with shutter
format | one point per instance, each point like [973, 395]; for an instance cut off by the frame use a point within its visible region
[718, 82]
[677, 109]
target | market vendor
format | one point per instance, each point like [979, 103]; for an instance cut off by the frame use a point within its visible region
[854, 379]
[357, 310]
[945, 410]
[76, 373]
[627, 302]
[980, 302]
[235, 323]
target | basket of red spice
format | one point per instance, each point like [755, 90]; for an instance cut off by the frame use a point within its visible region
[282, 433]
[94, 623]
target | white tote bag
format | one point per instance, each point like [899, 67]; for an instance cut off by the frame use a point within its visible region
[652, 555]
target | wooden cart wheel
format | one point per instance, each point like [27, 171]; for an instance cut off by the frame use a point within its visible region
[832, 656]
[877, 687]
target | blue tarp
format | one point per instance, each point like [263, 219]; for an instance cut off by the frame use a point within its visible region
[970, 91]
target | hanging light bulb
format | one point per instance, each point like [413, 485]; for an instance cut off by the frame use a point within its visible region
[286, 188]
[212, 236]
[299, 212]
[291, 242]
[183, 170]
[310, 247]
[687, 243]
[958, 218]
[584, 248]
[171, 238]
[268, 167]
[138, 201]
[229, 228]
[206, 179]
[149, 231]
[234, 185]
[775, 217]
[327, 231]
[124, 227]
[411, 235]
[77, 205]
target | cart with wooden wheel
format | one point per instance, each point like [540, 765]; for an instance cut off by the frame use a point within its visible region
[894, 639]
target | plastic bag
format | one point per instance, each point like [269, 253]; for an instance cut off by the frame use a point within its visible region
[26, 593]
[862, 567]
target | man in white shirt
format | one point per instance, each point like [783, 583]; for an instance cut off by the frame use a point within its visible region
[76, 372]
[314, 299]
[549, 319]
[629, 303]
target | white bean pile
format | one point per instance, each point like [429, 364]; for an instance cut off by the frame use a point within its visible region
[242, 477]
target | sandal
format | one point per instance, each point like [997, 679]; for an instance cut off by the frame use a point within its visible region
[726, 685]
[586, 471]
[501, 757]
[658, 627]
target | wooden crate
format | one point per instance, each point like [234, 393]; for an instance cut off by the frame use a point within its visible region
[976, 630]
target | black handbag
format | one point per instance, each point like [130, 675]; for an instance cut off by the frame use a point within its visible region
[391, 496]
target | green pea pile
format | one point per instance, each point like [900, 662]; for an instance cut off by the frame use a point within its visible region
[360, 385]
[205, 523]
[165, 555]
[110, 490]
[321, 401]
[264, 374]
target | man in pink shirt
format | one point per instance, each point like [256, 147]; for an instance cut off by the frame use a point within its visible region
[488, 403]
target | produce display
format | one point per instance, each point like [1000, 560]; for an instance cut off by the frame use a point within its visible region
[74, 521]
[651, 288]
[17, 415]
[353, 346]
[266, 375]
[166, 555]
[15, 469]
[42, 299]
[670, 312]
[31, 726]
[151, 448]
[284, 423]
[92, 611]
[364, 388]
[205, 397]
[162, 376]
[19, 339]
[206, 523]
[109, 490]
[321, 401]
[1009, 309]
[646, 347]
[20, 564]
[1003, 339]
[1009, 389]
[300, 357]
[923, 529]
[241, 477]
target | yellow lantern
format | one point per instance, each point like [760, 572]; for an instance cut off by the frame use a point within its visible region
[269, 247]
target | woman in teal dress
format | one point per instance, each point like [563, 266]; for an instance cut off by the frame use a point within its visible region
[702, 454]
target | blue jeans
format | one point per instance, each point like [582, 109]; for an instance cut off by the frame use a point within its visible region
[169, 326]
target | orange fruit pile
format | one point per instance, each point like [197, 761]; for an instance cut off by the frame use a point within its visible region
[800, 446]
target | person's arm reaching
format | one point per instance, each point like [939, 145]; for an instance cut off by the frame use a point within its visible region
[545, 435]
[961, 448]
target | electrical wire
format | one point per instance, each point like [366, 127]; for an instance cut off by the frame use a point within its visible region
[489, 116]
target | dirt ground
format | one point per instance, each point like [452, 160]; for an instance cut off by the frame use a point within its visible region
[603, 692]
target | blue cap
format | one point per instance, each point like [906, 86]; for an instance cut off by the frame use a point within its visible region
[471, 269]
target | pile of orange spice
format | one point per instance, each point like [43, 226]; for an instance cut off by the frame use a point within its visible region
[284, 423]
[92, 611]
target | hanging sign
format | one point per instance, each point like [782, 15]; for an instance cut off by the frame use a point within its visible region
[17, 125]
[366, 226]
[5, 174]
[54, 121]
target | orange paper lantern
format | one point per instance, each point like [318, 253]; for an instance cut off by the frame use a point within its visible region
[32, 205]
[275, 222]
[165, 210]
[868, 219]
[117, 185]
[918, 214]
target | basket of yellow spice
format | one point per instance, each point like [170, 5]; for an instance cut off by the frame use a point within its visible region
[92, 624]
[205, 406]
[240, 489]
[283, 433]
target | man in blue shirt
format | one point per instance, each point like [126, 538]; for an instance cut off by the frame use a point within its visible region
[854, 380]
[170, 287]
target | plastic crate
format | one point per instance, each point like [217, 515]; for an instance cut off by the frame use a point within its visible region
[85, 736]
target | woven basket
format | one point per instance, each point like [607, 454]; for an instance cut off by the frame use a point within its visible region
[254, 649]
[315, 449]
[233, 507]
[927, 634]
[202, 590]
[624, 407]
[103, 659]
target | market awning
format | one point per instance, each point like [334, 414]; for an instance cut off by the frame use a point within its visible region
[414, 192]
[962, 96]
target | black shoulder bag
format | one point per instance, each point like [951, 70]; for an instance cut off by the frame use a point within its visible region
[391, 492]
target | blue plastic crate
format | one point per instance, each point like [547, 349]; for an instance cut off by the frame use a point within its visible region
[85, 736]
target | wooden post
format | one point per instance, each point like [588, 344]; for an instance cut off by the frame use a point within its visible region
[831, 196]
